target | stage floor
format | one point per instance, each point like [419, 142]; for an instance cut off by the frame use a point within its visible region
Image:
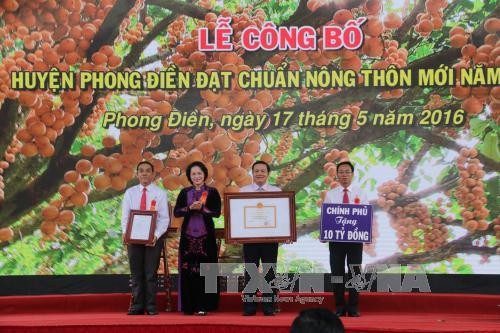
[380, 313]
[234, 322]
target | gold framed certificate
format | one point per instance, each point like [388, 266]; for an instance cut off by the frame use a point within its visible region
[260, 217]
[141, 227]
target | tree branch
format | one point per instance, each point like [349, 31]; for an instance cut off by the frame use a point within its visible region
[347, 142]
[480, 250]
[22, 172]
[106, 34]
[410, 198]
[351, 95]
[408, 174]
[9, 116]
[137, 49]
[434, 138]
[450, 8]
[416, 39]
[28, 228]
[96, 196]
[142, 14]
[409, 21]
[460, 245]
[47, 183]
[479, 33]
[350, 139]
[109, 29]
[312, 224]
[183, 8]
[151, 59]
[306, 154]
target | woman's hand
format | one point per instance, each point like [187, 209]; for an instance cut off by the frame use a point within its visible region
[195, 205]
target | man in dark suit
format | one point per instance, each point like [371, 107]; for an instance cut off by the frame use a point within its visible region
[339, 251]
[253, 253]
[145, 259]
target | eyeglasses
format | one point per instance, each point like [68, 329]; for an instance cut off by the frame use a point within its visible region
[345, 173]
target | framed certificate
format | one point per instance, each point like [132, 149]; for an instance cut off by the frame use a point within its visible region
[141, 227]
[260, 217]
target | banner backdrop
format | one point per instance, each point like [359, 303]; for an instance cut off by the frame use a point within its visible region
[408, 91]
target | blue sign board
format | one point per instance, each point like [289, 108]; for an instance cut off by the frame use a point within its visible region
[346, 223]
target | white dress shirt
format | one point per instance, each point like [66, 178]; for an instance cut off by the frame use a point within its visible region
[132, 200]
[336, 195]
[255, 188]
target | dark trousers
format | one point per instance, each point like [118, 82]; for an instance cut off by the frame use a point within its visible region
[338, 253]
[268, 254]
[144, 261]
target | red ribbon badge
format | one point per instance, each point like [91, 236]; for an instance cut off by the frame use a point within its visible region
[203, 198]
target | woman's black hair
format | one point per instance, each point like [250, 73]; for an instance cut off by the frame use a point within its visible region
[201, 166]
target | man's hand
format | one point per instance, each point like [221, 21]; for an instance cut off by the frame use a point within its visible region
[153, 243]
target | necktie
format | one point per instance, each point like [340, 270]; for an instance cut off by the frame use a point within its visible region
[260, 189]
[143, 199]
[345, 199]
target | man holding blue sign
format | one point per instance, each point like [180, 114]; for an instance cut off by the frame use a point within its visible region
[347, 226]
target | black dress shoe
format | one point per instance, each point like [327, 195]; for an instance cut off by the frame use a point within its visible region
[340, 313]
[152, 312]
[249, 313]
[353, 313]
[135, 312]
[268, 313]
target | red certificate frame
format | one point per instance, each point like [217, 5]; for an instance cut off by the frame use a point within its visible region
[141, 227]
[265, 233]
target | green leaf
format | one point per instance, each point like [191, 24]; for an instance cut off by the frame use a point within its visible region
[456, 263]
[478, 126]
[490, 146]
[418, 233]
[445, 172]
[464, 269]
[310, 214]
[414, 184]
[301, 196]
[468, 5]
[435, 152]
[493, 192]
